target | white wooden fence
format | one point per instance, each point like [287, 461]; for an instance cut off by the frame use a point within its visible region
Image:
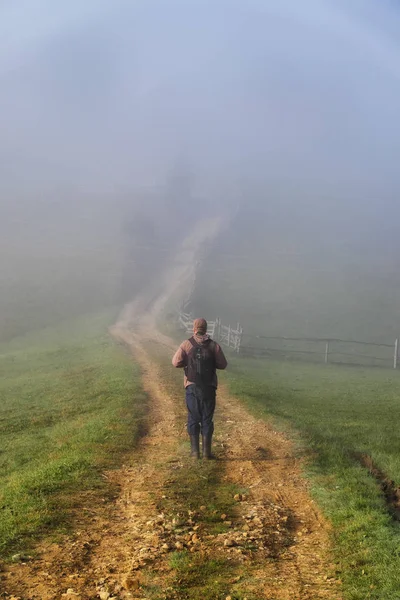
[223, 334]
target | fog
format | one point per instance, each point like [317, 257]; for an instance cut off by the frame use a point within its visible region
[121, 112]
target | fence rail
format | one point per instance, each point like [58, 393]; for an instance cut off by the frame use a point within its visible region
[327, 350]
[313, 339]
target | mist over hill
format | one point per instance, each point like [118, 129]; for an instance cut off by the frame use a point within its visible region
[281, 279]
[124, 123]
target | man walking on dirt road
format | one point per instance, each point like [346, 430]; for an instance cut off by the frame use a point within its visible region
[200, 356]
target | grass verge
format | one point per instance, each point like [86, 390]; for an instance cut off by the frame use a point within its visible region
[70, 405]
[338, 413]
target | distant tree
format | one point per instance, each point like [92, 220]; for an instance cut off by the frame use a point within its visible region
[140, 228]
[179, 199]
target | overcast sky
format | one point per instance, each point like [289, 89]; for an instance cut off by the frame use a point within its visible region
[111, 94]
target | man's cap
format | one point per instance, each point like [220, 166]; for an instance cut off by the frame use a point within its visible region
[200, 326]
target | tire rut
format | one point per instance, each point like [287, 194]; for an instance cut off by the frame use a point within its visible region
[264, 461]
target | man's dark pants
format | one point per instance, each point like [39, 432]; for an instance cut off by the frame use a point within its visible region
[200, 402]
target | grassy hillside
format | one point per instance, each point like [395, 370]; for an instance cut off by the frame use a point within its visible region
[302, 275]
[57, 260]
[341, 416]
[70, 404]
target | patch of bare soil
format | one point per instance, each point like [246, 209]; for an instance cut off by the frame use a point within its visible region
[277, 530]
[390, 491]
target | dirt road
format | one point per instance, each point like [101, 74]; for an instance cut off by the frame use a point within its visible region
[276, 543]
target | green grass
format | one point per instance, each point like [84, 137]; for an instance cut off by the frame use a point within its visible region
[198, 578]
[70, 405]
[335, 412]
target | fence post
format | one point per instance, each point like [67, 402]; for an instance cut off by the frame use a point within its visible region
[396, 353]
[229, 336]
[326, 352]
[239, 338]
[217, 330]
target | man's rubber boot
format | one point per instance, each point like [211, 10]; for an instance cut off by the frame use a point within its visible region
[207, 454]
[195, 446]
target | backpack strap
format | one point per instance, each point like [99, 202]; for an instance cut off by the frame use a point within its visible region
[193, 342]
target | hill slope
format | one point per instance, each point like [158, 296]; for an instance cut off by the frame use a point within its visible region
[294, 275]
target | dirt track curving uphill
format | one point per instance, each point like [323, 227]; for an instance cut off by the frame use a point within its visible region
[278, 531]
